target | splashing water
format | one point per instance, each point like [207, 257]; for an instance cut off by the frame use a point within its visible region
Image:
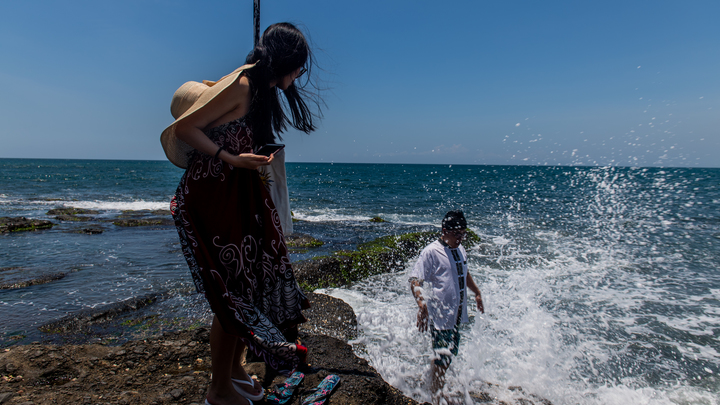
[611, 299]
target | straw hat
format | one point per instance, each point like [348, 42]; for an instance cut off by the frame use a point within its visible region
[188, 99]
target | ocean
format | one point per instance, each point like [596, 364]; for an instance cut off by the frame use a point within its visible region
[601, 284]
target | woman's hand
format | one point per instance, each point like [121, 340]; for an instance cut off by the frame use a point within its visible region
[250, 161]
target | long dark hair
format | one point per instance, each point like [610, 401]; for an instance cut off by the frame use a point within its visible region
[282, 49]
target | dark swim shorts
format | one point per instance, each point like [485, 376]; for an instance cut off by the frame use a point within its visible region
[448, 340]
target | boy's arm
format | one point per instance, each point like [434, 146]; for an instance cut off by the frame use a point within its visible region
[422, 315]
[478, 297]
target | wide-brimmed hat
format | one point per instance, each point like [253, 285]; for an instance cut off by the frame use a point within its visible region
[188, 99]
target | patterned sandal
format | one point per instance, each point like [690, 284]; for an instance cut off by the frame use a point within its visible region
[323, 391]
[283, 392]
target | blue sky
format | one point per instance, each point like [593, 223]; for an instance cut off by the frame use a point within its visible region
[630, 83]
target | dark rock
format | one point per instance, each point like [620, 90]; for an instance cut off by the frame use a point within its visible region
[141, 222]
[2, 269]
[44, 279]
[71, 214]
[177, 393]
[92, 231]
[83, 319]
[72, 218]
[17, 224]
[301, 240]
[71, 211]
[329, 316]
[5, 396]
[377, 219]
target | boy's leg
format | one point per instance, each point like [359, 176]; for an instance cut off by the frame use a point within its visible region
[446, 342]
[438, 377]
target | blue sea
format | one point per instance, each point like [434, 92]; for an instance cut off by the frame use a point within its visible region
[601, 284]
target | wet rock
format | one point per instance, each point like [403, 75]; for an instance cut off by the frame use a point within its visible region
[18, 224]
[329, 316]
[377, 219]
[71, 211]
[44, 279]
[136, 218]
[301, 240]
[81, 320]
[72, 214]
[92, 231]
[73, 218]
[131, 222]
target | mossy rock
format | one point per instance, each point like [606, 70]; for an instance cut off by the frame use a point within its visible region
[382, 255]
[71, 211]
[301, 241]
[377, 219]
[19, 224]
[73, 218]
[137, 222]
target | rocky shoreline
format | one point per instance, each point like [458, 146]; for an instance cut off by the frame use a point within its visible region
[174, 368]
[119, 355]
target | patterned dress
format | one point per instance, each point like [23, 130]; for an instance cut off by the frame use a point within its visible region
[232, 240]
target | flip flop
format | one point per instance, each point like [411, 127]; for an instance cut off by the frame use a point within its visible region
[241, 390]
[323, 390]
[283, 392]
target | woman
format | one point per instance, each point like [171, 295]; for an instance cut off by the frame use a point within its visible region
[229, 228]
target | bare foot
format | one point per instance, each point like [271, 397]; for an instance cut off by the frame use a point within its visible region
[255, 389]
[226, 398]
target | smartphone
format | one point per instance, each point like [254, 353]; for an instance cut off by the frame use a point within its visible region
[269, 149]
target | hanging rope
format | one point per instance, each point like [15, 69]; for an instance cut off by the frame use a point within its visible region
[256, 21]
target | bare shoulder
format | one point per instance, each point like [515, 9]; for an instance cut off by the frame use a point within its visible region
[237, 91]
[230, 104]
[243, 85]
[244, 82]
[240, 93]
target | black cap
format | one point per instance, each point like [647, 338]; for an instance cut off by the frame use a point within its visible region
[454, 220]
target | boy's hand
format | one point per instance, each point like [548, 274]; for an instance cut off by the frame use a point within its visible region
[479, 303]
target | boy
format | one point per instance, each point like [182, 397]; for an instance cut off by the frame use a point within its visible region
[443, 263]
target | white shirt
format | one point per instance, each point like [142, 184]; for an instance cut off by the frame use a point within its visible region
[446, 272]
